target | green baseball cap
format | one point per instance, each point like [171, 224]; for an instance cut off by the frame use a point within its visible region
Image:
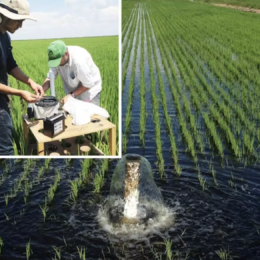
[55, 52]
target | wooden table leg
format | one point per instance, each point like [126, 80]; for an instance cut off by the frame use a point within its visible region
[40, 149]
[112, 140]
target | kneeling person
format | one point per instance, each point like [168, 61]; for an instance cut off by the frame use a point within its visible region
[80, 75]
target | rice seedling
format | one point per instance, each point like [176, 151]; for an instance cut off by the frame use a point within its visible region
[99, 181]
[52, 190]
[57, 253]
[47, 163]
[6, 199]
[224, 254]
[41, 172]
[7, 166]
[3, 177]
[7, 217]
[28, 251]
[27, 188]
[74, 185]
[82, 253]
[214, 175]
[1, 245]
[202, 180]
[85, 172]
[44, 210]
[169, 254]
[168, 245]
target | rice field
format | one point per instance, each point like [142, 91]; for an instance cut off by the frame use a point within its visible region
[190, 102]
[31, 57]
[190, 79]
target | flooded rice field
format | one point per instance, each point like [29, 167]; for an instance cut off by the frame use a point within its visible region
[196, 224]
[192, 110]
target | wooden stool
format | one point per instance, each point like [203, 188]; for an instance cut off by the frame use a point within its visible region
[84, 149]
[54, 154]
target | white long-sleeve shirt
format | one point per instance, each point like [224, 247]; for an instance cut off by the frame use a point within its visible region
[79, 70]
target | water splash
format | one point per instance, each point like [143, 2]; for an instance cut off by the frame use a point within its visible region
[151, 218]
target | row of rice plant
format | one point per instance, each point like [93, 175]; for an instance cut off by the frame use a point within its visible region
[222, 107]
[210, 72]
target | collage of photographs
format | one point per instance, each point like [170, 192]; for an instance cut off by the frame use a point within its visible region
[129, 130]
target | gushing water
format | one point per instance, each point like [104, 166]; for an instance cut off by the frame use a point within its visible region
[131, 189]
[135, 206]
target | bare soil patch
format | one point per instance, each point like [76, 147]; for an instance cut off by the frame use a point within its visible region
[241, 8]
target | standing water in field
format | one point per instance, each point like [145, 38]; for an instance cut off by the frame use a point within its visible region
[135, 205]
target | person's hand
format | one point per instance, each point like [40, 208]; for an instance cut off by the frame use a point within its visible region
[64, 100]
[37, 88]
[28, 96]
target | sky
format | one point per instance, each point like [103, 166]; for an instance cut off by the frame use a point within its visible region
[70, 18]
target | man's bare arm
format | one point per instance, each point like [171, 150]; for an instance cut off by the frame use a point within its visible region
[46, 84]
[81, 89]
[26, 95]
[19, 75]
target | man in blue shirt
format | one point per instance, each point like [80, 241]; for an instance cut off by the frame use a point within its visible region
[12, 15]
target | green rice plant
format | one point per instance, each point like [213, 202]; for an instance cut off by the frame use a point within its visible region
[3, 177]
[104, 166]
[41, 172]
[7, 166]
[85, 169]
[7, 217]
[168, 251]
[57, 253]
[156, 254]
[27, 188]
[6, 199]
[99, 181]
[224, 254]
[44, 210]
[214, 176]
[143, 114]
[74, 185]
[1, 245]
[155, 102]
[28, 250]
[47, 163]
[52, 190]
[202, 181]
[82, 253]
